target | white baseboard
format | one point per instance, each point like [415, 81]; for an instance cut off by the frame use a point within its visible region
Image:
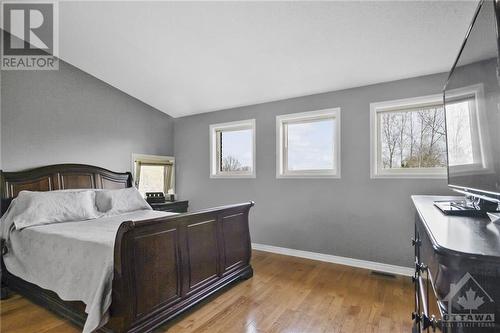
[371, 265]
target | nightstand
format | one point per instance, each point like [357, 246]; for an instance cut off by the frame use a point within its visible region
[171, 206]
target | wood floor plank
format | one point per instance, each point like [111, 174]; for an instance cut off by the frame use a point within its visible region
[286, 294]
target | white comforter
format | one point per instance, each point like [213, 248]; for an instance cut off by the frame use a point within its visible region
[73, 259]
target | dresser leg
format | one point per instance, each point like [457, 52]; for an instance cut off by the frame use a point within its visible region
[247, 274]
[4, 293]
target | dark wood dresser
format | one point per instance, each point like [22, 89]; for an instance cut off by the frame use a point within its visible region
[171, 206]
[457, 271]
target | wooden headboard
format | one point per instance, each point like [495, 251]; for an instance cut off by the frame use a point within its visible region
[59, 177]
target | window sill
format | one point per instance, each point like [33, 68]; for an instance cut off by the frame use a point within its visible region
[308, 176]
[409, 176]
[233, 176]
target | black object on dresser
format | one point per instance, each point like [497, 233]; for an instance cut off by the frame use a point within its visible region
[457, 271]
[171, 206]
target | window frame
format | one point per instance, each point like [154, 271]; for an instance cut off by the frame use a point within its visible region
[408, 103]
[304, 117]
[215, 148]
[153, 159]
[376, 171]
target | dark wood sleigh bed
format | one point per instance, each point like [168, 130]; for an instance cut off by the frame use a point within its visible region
[162, 266]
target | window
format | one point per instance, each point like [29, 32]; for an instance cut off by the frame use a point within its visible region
[153, 173]
[468, 146]
[232, 148]
[308, 144]
[408, 138]
[409, 135]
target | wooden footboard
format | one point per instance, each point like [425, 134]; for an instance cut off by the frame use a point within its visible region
[164, 266]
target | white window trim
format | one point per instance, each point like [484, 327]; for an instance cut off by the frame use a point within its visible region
[375, 108]
[153, 158]
[243, 124]
[440, 173]
[309, 115]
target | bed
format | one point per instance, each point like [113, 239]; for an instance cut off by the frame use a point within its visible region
[161, 264]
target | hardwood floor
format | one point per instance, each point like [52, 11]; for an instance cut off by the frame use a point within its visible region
[286, 294]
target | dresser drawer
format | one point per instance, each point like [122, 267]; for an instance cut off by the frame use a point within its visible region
[428, 313]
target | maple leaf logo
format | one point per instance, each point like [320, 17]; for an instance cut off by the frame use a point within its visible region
[470, 301]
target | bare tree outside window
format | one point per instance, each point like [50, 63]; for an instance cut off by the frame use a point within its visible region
[413, 138]
[231, 163]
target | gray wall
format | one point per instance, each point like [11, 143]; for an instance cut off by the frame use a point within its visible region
[355, 216]
[0, 120]
[68, 116]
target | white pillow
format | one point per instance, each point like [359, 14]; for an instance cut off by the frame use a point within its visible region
[120, 201]
[36, 208]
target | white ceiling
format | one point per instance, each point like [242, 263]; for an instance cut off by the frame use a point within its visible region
[191, 57]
